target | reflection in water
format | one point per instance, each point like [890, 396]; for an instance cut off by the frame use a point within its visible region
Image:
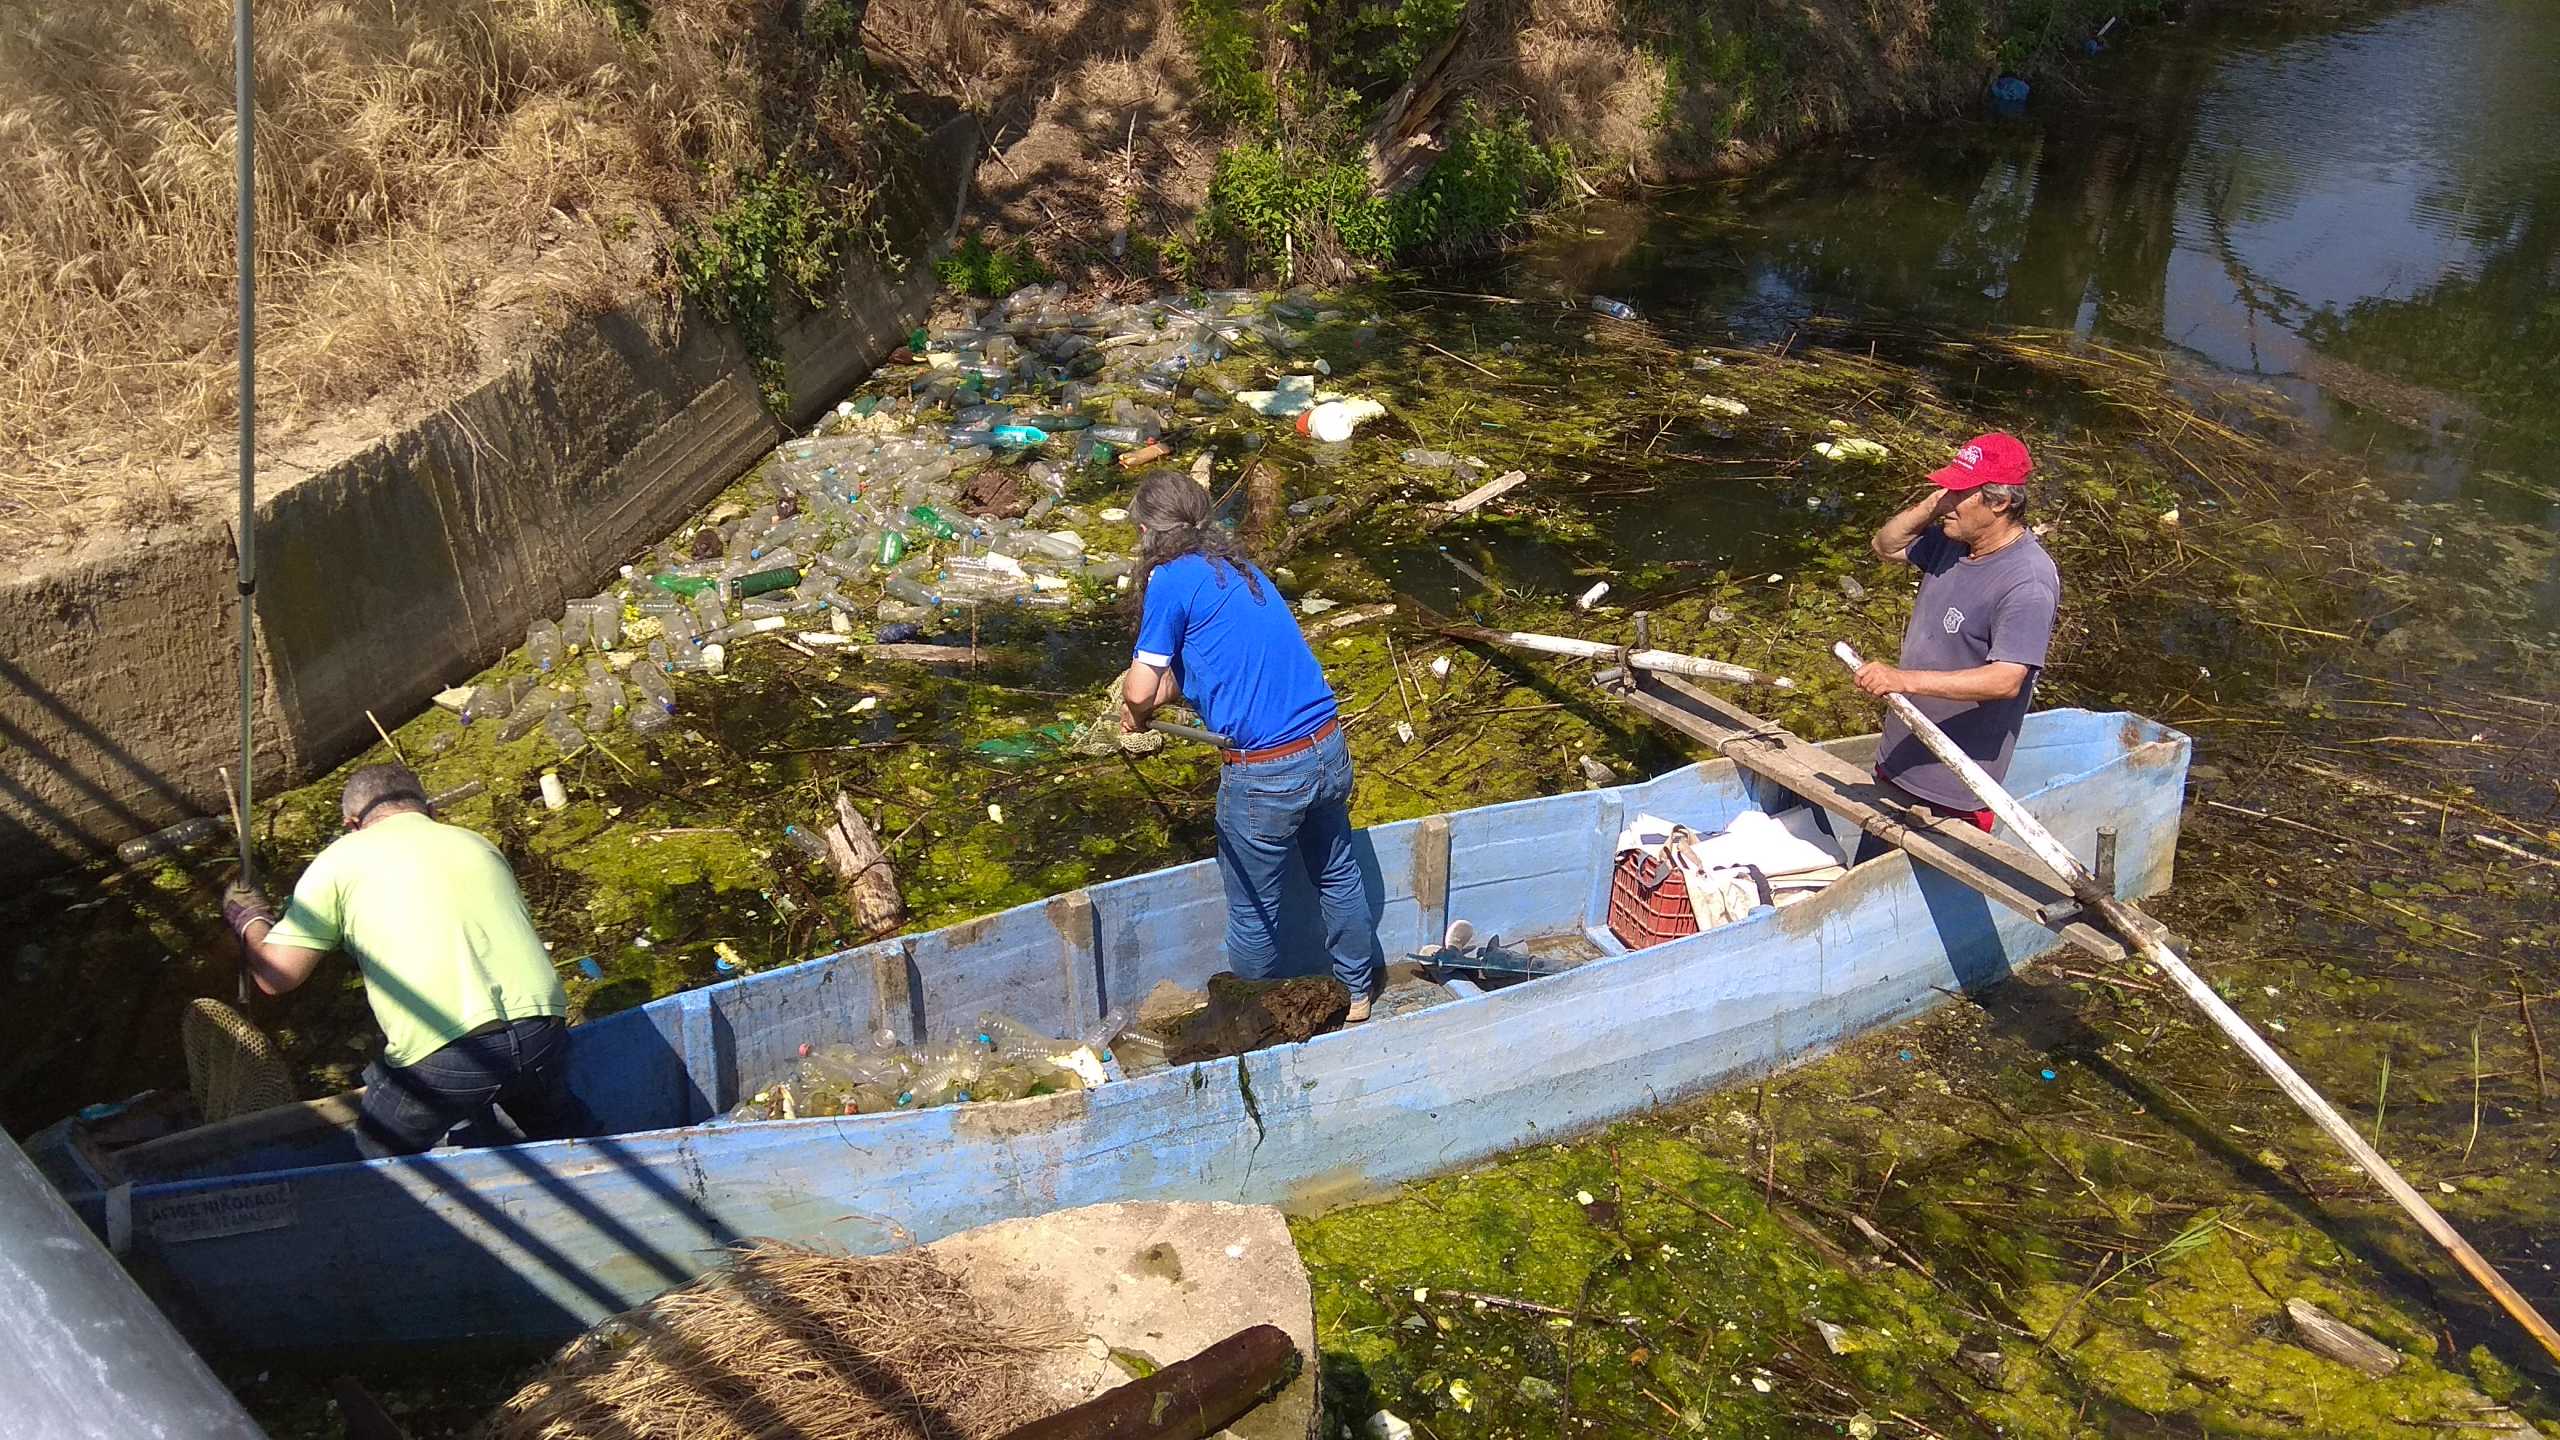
[2369, 217]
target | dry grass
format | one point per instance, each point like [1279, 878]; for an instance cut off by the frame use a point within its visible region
[795, 1342]
[434, 176]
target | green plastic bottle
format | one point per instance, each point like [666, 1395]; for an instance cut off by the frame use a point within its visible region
[893, 548]
[687, 585]
[763, 582]
[931, 519]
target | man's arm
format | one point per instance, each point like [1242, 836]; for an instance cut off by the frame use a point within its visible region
[278, 967]
[1999, 680]
[275, 965]
[1143, 691]
[1894, 541]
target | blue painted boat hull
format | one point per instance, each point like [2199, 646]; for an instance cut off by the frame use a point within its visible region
[293, 1246]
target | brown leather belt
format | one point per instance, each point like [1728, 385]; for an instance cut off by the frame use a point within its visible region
[1283, 752]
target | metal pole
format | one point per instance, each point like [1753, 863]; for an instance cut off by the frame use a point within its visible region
[2142, 937]
[245, 101]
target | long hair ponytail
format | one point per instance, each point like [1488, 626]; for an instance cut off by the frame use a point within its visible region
[1172, 513]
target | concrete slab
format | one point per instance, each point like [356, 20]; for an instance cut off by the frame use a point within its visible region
[1160, 1280]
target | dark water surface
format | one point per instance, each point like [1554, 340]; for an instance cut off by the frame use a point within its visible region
[2368, 218]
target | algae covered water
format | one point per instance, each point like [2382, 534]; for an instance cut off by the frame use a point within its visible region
[2288, 378]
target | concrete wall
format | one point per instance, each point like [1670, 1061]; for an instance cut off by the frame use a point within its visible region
[414, 562]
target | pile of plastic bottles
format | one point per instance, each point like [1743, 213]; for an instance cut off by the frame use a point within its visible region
[999, 1058]
[869, 525]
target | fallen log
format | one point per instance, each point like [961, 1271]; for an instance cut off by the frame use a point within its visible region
[869, 882]
[1187, 1400]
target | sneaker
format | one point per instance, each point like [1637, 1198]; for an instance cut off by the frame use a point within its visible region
[1358, 1012]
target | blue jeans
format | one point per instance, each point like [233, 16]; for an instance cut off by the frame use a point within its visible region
[1298, 806]
[521, 1068]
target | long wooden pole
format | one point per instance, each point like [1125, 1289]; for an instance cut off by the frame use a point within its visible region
[1668, 662]
[2142, 933]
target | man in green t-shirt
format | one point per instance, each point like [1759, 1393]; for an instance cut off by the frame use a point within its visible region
[472, 1013]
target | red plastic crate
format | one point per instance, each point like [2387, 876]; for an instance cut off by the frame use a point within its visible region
[1649, 902]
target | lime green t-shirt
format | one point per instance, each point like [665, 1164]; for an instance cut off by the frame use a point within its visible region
[431, 915]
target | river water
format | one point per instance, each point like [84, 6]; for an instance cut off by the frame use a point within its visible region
[2366, 217]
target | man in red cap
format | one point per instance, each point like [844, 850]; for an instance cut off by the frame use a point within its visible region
[1978, 631]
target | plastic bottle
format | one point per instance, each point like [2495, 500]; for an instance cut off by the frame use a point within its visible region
[1428, 459]
[1614, 309]
[542, 645]
[900, 587]
[171, 841]
[931, 519]
[528, 715]
[806, 842]
[563, 731]
[573, 629]
[687, 585]
[711, 610]
[1127, 437]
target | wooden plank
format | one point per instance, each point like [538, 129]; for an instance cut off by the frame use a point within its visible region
[1985, 863]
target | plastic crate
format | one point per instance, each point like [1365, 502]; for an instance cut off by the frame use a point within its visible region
[1649, 902]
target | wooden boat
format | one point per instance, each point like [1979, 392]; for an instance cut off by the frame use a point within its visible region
[267, 1233]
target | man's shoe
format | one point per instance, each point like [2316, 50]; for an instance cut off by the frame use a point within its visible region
[1358, 1012]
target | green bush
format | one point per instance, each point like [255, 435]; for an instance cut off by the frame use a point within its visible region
[784, 230]
[990, 273]
[1491, 178]
[1230, 60]
[1264, 202]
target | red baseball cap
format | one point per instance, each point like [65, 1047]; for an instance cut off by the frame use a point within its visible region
[1994, 459]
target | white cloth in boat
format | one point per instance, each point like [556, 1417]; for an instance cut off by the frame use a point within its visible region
[1756, 859]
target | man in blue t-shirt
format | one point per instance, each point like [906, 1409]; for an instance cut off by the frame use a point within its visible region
[1979, 629]
[1214, 629]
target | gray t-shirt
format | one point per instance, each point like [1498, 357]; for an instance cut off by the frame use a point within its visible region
[1970, 613]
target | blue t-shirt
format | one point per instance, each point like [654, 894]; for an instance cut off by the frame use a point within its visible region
[1239, 660]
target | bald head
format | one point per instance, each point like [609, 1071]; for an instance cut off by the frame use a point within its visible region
[379, 790]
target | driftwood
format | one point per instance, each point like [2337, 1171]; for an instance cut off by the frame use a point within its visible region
[2326, 1334]
[1261, 502]
[1345, 618]
[927, 654]
[1187, 1400]
[853, 852]
[1435, 516]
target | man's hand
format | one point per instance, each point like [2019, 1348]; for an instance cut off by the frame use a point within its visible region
[244, 905]
[1894, 540]
[1879, 679]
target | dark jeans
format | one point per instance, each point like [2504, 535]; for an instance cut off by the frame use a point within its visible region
[1297, 806]
[521, 1067]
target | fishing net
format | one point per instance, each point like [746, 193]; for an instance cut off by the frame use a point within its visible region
[789, 1341]
[1104, 735]
[232, 1066]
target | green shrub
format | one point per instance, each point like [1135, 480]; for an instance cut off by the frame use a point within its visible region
[1492, 177]
[786, 229]
[976, 268]
[1230, 59]
[1264, 203]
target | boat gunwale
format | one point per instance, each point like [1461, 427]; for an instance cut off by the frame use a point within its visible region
[2139, 734]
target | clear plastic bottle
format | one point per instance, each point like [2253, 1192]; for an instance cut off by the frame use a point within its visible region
[543, 645]
[899, 587]
[806, 842]
[529, 714]
[564, 732]
[573, 628]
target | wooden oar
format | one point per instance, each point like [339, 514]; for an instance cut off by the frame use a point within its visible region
[1666, 661]
[2142, 933]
